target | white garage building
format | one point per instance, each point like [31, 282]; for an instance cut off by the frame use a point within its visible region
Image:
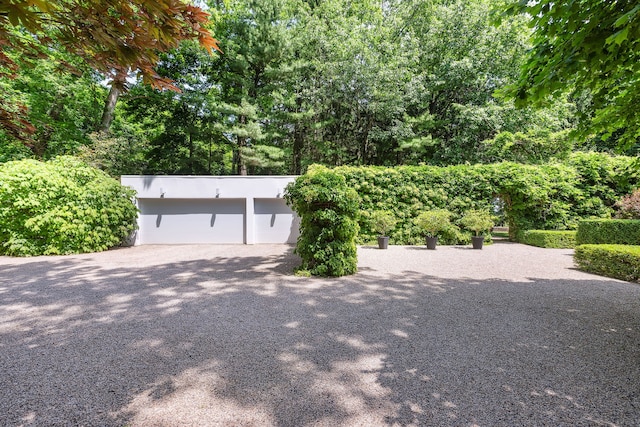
[213, 209]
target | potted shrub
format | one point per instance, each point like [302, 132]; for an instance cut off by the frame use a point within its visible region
[382, 222]
[478, 221]
[433, 223]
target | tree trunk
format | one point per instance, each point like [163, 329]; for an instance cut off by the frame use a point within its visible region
[298, 142]
[108, 112]
[242, 142]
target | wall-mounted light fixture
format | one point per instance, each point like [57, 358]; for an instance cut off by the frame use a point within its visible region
[161, 193]
[217, 193]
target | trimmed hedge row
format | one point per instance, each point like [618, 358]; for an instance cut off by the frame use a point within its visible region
[550, 238]
[553, 196]
[609, 231]
[617, 261]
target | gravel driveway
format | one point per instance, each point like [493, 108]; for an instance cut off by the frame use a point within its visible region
[226, 336]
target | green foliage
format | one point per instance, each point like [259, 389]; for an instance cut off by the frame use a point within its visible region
[477, 221]
[61, 207]
[434, 222]
[328, 211]
[532, 147]
[609, 231]
[382, 222]
[629, 206]
[617, 261]
[550, 196]
[590, 46]
[550, 238]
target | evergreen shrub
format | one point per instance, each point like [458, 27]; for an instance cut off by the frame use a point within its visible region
[328, 210]
[609, 231]
[617, 261]
[558, 239]
[61, 207]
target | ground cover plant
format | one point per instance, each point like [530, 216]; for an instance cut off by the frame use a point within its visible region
[61, 207]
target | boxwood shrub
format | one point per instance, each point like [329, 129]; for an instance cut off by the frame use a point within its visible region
[61, 207]
[617, 261]
[328, 211]
[559, 239]
[609, 231]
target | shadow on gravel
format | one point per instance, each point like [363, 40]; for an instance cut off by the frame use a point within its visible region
[236, 341]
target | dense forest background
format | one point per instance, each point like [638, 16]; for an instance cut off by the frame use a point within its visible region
[335, 82]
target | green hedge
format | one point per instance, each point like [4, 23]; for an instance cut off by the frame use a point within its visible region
[609, 231]
[61, 207]
[617, 261]
[554, 196]
[550, 238]
[328, 209]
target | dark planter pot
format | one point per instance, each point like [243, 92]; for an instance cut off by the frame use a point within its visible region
[383, 242]
[477, 241]
[431, 242]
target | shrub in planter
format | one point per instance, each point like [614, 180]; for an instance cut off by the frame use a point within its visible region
[608, 231]
[478, 221]
[558, 239]
[382, 222]
[328, 211]
[433, 223]
[617, 261]
[61, 207]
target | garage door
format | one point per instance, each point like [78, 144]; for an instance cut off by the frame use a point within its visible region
[274, 222]
[166, 221]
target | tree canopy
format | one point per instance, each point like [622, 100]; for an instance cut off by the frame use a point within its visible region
[585, 46]
[111, 36]
[298, 82]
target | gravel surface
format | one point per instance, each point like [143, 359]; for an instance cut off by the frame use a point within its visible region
[226, 336]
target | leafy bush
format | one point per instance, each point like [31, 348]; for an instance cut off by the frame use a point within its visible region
[477, 221]
[617, 261]
[434, 222]
[550, 238]
[328, 211]
[61, 207]
[382, 222]
[609, 231]
[629, 206]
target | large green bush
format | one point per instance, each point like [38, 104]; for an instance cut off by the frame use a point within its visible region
[328, 211]
[617, 261]
[61, 207]
[550, 238]
[609, 231]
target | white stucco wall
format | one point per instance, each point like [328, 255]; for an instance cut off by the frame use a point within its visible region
[213, 209]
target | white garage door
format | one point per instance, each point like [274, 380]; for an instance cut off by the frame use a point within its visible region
[167, 221]
[274, 222]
